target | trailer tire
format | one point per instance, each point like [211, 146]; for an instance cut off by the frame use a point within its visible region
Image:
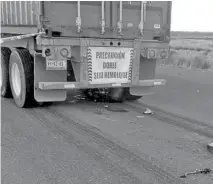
[21, 74]
[122, 94]
[5, 82]
[117, 95]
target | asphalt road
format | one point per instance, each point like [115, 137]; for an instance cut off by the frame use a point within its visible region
[87, 142]
[188, 92]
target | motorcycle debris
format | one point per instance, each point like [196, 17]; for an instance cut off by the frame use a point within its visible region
[147, 111]
[210, 147]
[197, 171]
[140, 116]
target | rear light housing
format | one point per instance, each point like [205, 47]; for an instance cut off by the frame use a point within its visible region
[48, 52]
[164, 54]
[154, 53]
[56, 52]
[64, 52]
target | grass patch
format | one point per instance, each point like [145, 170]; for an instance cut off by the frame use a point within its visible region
[190, 59]
[193, 35]
[192, 44]
[188, 53]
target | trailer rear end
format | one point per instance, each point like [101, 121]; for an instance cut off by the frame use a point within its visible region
[87, 45]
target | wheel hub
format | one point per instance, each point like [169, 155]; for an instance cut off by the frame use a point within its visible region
[16, 79]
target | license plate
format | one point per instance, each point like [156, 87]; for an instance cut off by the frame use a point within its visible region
[56, 65]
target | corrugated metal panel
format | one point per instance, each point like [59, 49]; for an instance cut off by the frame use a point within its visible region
[16, 13]
[151, 21]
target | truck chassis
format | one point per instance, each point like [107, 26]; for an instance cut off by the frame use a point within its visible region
[39, 67]
[30, 80]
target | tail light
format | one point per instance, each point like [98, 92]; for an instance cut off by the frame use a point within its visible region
[163, 54]
[64, 52]
[47, 52]
[56, 52]
[152, 53]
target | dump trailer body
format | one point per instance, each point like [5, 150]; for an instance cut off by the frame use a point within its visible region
[87, 45]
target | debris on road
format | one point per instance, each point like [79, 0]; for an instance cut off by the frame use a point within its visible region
[210, 147]
[80, 97]
[74, 98]
[147, 111]
[73, 101]
[140, 116]
[197, 171]
[116, 109]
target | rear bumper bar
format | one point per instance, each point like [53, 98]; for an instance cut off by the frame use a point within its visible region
[78, 85]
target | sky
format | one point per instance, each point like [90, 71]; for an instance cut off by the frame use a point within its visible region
[192, 15]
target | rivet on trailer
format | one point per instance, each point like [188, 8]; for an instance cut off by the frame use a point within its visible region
[51, 47]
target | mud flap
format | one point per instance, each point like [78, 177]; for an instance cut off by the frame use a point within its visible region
[145, 70]
[43, 75]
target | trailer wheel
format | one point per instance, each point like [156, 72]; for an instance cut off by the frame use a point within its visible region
[4, 78]
[122, 94]
[21, 72]
[117, 94]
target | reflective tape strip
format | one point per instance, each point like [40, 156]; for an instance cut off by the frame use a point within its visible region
[116, 84]
[21, 37]
[67, 86]
[157, 83]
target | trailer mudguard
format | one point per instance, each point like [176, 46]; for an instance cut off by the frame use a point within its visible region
[41, 74]
[146, 72]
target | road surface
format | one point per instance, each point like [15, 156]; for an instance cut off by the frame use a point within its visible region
[87, 142]
[189, 93]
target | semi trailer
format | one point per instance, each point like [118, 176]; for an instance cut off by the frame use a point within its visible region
[51, 47]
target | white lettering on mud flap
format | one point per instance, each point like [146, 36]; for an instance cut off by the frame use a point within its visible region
[109, 65]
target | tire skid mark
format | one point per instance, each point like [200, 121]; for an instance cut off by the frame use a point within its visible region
[73, 138]
[106, 143]
[188, 124]
[83, 136]
[45, 173]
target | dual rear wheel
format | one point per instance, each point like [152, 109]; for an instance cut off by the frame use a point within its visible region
[17, 79]
[17, 76]
[4, 80]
